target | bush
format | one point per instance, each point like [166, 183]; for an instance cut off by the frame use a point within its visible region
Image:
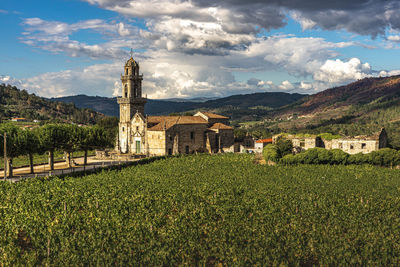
[385, 157]
[289, 160]
[358, 159]
[339, 157]
[270, 152]
[284, 146]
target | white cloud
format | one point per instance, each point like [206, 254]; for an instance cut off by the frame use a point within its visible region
[286, 85]
[394, 38]
[339, 72]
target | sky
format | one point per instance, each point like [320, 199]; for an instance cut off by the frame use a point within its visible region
[197, 48]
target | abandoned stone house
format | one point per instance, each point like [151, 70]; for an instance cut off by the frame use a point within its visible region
[351, 145]
[140, 134]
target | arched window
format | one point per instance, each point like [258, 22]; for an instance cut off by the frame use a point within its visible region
[126, 90]
[126, 71]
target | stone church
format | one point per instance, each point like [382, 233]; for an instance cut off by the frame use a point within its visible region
[140, 134]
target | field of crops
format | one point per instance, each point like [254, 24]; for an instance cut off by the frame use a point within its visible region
[205, 210]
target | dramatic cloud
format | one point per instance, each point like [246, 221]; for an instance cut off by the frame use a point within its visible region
[54, 36]
[366, 17]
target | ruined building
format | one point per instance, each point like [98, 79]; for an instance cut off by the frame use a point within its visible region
[351, 145]
[140, 134]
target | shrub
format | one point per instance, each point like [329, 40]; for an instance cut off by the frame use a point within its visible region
[270, 152]
[339, 157]
[289, 160]
[284, 146]
[385, 157]
[358, 159]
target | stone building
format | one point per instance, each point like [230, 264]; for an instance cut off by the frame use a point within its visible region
[351, 145]
[165, 135]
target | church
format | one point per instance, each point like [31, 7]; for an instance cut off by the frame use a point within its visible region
[140, 134]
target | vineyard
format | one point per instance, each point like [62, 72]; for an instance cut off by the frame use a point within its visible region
[205, 210]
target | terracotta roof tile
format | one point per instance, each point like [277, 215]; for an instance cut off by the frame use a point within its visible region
[166, 122]
[214, 116]
[268, 140]
[221, 126]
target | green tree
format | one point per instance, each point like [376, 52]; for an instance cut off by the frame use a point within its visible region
[270, 153]
[52, 137]
[14, 147]
[29, 142]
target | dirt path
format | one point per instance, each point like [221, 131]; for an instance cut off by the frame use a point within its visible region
[60, 168]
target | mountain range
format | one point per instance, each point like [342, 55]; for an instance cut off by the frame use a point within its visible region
[109, 106]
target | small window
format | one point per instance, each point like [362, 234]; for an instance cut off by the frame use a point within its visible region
[137, 128]
[192, 135]
[170, 138]
[351, 146]
[169, 151]
[123, 129]
[187, 149]
[363, 146]
[126, 71]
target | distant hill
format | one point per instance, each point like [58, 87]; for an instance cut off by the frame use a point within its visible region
[244, 102]
[363, 92]
[19, 103]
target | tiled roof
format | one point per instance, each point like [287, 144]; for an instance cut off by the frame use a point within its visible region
[268, 140]
[166, 122]
[214, 116]
[221, 126]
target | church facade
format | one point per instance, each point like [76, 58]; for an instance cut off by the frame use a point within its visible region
[140, 134]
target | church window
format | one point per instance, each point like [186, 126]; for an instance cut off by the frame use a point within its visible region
[123, 129]
[191, 135]
[126, 91]
[137, 128]
[126, 71]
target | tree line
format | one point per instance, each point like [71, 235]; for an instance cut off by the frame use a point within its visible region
[51, 137]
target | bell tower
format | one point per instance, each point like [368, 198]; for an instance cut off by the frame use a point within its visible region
[130, 103]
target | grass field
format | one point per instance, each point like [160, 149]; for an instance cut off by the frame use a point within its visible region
[205, 210]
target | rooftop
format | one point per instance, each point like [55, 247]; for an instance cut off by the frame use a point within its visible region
[220, 126]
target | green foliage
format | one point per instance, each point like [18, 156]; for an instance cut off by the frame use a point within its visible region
[19, 103]
[205, 210]
[384, 157]
[271, 153]
[284, 147]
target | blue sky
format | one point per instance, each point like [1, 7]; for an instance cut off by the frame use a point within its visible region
[196, 48]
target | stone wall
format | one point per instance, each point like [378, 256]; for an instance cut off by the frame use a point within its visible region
[156, 141]
[354, 146]
[190, 137]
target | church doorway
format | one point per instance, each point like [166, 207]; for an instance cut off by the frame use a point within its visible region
[138, 147]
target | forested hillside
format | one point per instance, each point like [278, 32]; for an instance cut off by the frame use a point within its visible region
[236, 106]
[19, 103]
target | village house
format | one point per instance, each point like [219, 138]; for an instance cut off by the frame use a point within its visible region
[351, 145]
[140, 134]
[260, 144]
